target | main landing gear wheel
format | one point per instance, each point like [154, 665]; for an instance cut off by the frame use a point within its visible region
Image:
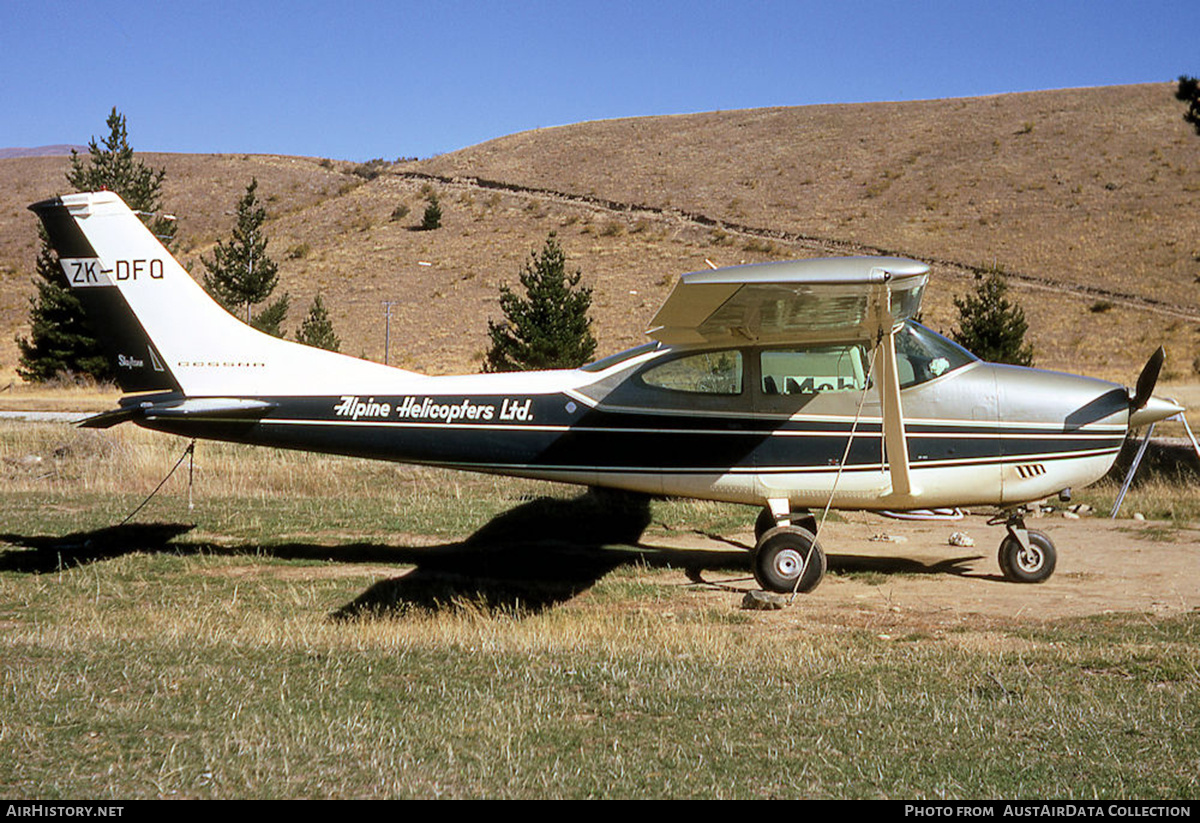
[785, 555]
[1032, 565]
[766, 522]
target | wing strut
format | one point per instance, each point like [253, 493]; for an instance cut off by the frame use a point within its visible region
[894, 438]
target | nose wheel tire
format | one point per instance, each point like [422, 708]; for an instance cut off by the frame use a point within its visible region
[1032, 565]
[788, 559]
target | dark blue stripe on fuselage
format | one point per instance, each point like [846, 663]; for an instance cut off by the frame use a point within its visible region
[555, 431]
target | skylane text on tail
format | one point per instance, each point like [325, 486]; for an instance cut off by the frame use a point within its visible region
[791, 386]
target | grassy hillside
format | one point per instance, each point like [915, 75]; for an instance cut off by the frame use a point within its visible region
[1087, 197]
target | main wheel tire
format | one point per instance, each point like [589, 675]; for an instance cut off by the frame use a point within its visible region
[766, 522]
[1032, 566]
[785, 555]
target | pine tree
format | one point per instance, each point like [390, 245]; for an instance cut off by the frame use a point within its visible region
[241, 275]
[114, 168]
[61, 341]
[433, 215]
[270, 319]
[991, 326]
[548, 328]
[317, 328]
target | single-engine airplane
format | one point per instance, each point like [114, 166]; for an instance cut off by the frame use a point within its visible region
[795, 386]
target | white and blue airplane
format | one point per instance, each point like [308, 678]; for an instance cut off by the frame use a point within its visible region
[791, 386]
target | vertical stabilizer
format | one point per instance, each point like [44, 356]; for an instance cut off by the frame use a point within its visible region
[163, 331]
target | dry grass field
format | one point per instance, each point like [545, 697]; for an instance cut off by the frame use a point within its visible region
[1088, 198]
[421, 633]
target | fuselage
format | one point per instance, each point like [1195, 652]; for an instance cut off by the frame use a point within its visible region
[735, 424]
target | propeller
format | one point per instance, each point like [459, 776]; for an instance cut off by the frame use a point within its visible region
[1147, 380]
[1144, 408]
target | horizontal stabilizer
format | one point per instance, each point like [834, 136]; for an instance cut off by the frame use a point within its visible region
[223, 408]
[108, 419]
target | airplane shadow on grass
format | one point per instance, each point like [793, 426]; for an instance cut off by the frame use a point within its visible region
[530, 558]
[533, 557]
[56, 552]
[537, 555]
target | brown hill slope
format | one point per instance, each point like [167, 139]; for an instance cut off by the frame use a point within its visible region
[1082, 185]
[1074, 190]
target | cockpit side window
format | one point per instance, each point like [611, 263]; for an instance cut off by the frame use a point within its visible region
[718, 372]
[815, 369]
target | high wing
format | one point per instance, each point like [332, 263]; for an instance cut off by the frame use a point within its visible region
[838, 298]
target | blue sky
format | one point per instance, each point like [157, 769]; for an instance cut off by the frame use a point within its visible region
[356, 80]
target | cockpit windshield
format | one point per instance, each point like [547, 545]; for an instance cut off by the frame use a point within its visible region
[922, 355]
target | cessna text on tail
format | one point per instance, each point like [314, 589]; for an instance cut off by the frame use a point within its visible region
[791, 386]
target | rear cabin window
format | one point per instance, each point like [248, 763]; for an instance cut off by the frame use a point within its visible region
[819, 369]
[708, 373]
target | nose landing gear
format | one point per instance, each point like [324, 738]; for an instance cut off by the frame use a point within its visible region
[1026, 555]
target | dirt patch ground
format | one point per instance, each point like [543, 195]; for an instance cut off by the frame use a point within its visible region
[890, 576]
[1104, 566]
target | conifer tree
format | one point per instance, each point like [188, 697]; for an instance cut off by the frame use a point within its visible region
[317, 328]
[548, 327]
[61, 341]
[991, 326]
[432, 218]
[241, 275]
[114, 168]
[270, 319]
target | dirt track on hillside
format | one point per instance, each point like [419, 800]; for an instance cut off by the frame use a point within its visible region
[1104, 566]
[820, 245]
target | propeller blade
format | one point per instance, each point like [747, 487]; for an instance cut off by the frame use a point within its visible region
[1147, 379]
